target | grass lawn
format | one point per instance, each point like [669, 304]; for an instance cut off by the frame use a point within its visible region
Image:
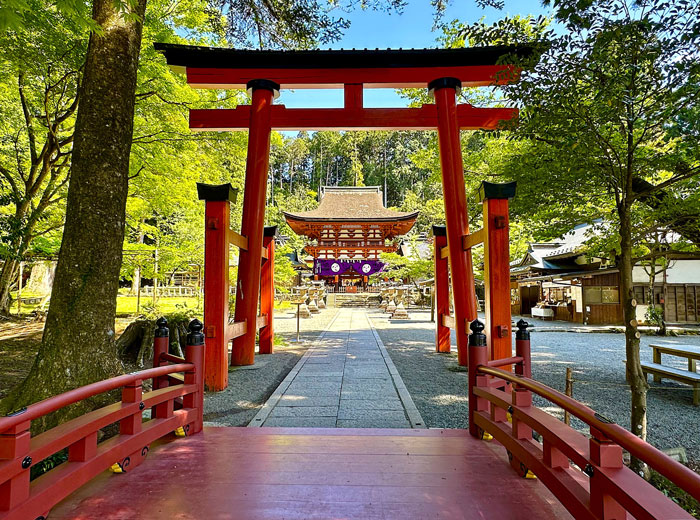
[126, 305]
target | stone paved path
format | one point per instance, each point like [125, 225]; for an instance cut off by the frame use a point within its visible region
[346, 380]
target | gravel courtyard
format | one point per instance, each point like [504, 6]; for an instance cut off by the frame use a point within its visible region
[438, 385]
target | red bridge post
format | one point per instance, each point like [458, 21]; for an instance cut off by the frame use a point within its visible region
[445, 91]
[604, 454]
[442, 290]
[494, 199]
[194, 353]
[216, 283]
[267, 291]
[161, 345]
[252, 223]
[522, 396]
[522, 349]
[15, 443]
[478, 355]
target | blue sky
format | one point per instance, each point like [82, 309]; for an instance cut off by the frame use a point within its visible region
[412, 29]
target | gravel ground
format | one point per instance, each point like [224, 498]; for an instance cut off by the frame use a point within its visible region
[439, 389]
[249, 387]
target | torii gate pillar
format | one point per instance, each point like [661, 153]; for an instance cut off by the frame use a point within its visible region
[253, 220]
[494, 198]
[442, 290]
[456, 218]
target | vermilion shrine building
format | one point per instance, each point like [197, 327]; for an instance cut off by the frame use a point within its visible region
[349, 230]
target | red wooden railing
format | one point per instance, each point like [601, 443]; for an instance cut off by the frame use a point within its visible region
[587, 475]
[174, 402]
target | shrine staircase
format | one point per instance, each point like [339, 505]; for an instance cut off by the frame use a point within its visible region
[356, 299]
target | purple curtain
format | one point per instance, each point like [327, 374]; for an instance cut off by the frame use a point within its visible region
[334, 267]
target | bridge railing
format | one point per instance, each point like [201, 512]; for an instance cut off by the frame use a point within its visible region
[174, 402]
[586, 474]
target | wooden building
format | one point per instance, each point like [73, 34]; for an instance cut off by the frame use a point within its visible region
[348, 231]
[558, 280]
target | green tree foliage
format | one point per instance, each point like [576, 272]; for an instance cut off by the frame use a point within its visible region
[40, 75]
[285, 275]
[411, 269]
[167, 159]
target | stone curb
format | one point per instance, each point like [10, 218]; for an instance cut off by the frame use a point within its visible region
[612, 330]
[414, 416]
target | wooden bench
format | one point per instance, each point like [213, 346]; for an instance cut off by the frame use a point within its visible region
[689, 352]
[684, 376]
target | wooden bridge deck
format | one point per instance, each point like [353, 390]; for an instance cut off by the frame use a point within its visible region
[288, 473]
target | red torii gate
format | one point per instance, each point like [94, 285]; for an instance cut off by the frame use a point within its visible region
[443, 71]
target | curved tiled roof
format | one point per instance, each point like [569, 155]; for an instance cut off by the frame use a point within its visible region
[351, 204]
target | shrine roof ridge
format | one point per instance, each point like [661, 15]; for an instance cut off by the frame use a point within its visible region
[397, 217]
[351, 204]
[225, 58]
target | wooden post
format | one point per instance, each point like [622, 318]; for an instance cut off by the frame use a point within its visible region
[131, 424]
[522, 349]
[478, 355]
[195, 354]
[267, 291]
[568, 390]
[605, 454]
[445, 92]
[14, 445]
[161, 345]
[656, 355]
[494, 199]
[216, 284]
[253, 220]
[442, 290]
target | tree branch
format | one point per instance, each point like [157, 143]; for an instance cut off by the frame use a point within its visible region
[27, 117]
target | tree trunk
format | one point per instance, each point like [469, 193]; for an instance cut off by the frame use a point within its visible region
[635, 377]
[10, 269]
[8, 277]
[652, 281]
[78, 344]
[135, 345]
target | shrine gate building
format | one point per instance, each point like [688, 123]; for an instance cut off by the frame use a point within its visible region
[348, 231]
